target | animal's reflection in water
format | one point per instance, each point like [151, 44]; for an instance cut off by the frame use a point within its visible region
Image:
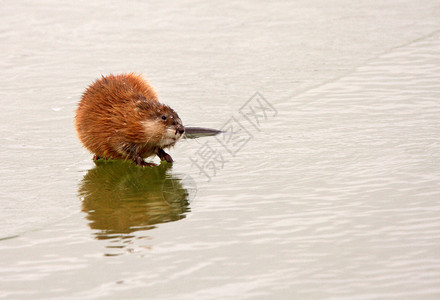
[121, 198]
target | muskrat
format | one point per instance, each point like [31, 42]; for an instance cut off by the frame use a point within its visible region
[120, 117]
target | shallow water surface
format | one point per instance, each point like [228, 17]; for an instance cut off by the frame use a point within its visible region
[325, 184]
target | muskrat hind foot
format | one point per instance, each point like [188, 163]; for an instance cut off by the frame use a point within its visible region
[141, 162]
[164, 156]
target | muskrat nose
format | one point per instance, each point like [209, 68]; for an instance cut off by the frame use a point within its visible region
[180, 129]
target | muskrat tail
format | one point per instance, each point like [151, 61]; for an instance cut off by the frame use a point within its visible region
[196, 132]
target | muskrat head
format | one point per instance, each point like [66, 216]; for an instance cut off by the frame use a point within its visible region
[161, 123]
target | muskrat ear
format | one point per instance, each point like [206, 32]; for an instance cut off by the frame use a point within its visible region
[144, 105]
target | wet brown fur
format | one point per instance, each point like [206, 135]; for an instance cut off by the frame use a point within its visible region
[120, 117]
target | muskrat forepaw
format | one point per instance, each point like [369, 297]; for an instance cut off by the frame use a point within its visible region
[164, 156]
[168, 158]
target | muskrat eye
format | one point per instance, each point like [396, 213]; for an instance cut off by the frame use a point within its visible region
[164, 117]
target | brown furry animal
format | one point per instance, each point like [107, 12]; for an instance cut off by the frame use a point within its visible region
[120, 117]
